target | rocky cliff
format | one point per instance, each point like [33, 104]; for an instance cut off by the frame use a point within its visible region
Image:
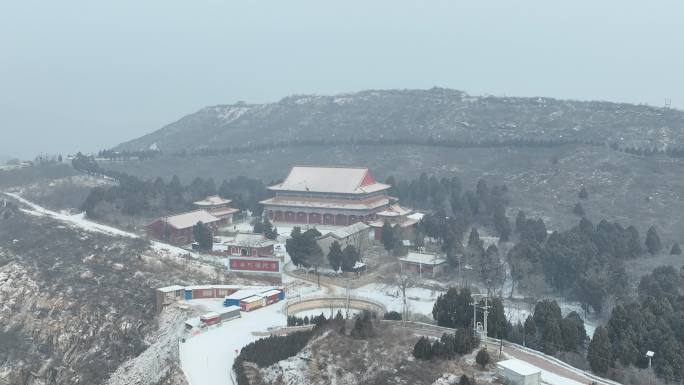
[77, 307]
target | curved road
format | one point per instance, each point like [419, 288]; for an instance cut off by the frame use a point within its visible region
[331, 301]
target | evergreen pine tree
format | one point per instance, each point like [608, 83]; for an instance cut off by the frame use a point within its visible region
[578, 210]
[520, 221]
[349, 258]
[530, 333]
[293, 246]
[453, 309]
[635, 249]
[676, 250]
[270, 231]
[501, 223]
[653, 244]
[599, 354]
[257, 226]
[335, 256]
[474, 240]
[422, 350]
[202, 236]
[388, 237]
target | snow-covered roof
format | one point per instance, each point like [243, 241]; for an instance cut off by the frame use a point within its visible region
[402, 222]
[244, 293]
[327, 203]
[212, 200]
[358, 265]
[422, 258]
[171, 288]
[270, 293]
[346, 180]
[346, 231]
[249, 240]
[252, 299]
[394, 210]
[223, 211]
[416, 216]
[189, 219]
[519, 367]
[229, 309]
[209, 315]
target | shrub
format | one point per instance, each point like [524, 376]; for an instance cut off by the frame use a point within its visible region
[393, 315]
[482, 357]
[422, 350]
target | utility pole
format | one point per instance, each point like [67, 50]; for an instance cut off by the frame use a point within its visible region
[474, 316]
[486, 313]
[348, 300]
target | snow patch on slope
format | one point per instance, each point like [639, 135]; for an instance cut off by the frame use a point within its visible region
[156, 362]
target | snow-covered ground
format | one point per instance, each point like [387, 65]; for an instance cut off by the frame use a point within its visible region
[77, 220]
[207, 358]
[554, 379]
[420, 300]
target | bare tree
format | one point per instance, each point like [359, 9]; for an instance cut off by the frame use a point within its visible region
[403, 282]
[360, 241]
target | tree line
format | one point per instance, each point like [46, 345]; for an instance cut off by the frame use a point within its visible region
[267, 351]
[304, 251]
[129, 154]
[461, 342]
[653, 322]
[546, 329]
[428, 141]
[585, 262]
[672, 152]
[452, 211]
[155, 197]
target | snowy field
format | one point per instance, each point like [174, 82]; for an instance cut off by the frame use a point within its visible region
[420, 300]
[207, 358]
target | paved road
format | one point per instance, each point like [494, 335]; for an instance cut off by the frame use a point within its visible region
[547, 364]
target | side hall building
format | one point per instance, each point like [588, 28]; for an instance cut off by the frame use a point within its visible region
[218, 207]
[338, 196]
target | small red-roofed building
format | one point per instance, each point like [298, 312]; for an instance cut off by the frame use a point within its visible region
[218, 207]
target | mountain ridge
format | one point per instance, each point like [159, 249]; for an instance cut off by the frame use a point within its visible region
[443, 114]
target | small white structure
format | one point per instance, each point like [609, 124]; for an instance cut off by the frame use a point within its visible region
[517, 372]
[422, 263]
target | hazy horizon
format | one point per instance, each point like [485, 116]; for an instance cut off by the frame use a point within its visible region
[77, 75]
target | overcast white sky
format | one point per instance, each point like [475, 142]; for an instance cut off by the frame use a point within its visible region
[85, 75]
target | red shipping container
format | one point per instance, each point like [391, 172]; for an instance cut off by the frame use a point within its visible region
[271, 296]
[210, 319]
[205, 292]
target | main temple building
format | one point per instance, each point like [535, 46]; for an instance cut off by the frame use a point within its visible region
[337, 196]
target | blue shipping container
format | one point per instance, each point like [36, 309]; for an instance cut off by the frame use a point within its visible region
[188, 294]
[281, 295]
[231, 302]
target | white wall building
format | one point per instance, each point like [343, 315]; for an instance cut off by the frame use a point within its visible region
[517, 372]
